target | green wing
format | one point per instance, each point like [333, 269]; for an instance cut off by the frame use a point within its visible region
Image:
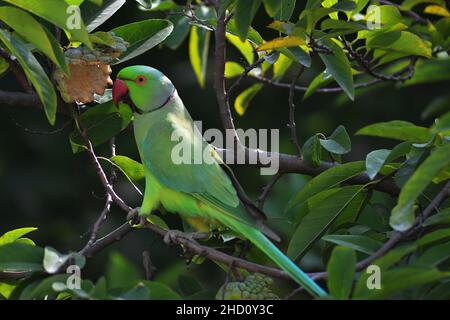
[205, 180]
[161, 155]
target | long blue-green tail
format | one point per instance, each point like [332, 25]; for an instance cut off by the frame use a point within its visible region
[266, 246]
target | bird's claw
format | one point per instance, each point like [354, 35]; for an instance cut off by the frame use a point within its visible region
[133, 215]
[171, 236]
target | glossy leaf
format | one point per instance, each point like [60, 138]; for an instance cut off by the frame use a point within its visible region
[142, 36]
[402, 278]
[341, 269]
[56, 12]
[402, 42]
[338, 66]
[101, 123]
[399, 130]
[375, 160]
[442, 217]
[402, 216]
[338, 143]
[198, 52]
[319, 219]
[328, 179]
[34, 32]
[34, 72]
[244, 13]
[233, 69]
[94, 15]
[282, 42]
[244, 47]
[311, 150]
[13, 235]
[19, 257]
[359, 243]
[245, 97]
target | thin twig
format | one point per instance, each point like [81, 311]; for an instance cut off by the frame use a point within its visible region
[267, 189]
[292, 125]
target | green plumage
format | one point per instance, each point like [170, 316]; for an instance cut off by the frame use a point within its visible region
[200, 191]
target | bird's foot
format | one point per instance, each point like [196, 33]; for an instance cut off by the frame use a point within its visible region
[133, 216]
[172, 235]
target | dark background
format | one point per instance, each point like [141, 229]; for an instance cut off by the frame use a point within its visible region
[43, 184]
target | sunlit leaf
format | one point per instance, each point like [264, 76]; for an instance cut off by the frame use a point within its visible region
[245, 97]
[283, 42]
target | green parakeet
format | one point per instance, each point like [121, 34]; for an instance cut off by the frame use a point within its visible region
[199, 189]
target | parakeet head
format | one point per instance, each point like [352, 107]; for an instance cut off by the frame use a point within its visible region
[144, 88]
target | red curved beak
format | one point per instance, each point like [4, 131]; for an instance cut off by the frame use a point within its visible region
[119, 91]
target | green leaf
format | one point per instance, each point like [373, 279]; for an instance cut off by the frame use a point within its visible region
[443, 217]
[298, 54]
[94, 15]
[327, 180]
[442, 124]
[311, 150]
[101, 122]
[244, 47]
[40, 289]
[272, 7]
[53, 260]
[13, 235]
[138, 292]
[252, 35]
[245, 97]
[133, 170]
[392, 257]
[400, 279]
[56, 12]
[339, 67]
[34, 72]
[281, 66]
[430, 71]
[198, 52]
[19, 257]
[338, 143]
[244, 12]
[434, 236]
[34, 32]
[4, 66]
[233, 69]
[402, 42]
[120, 272]
[434, 256]
[341, 269]
[319, 219]
[437, 106]
[181, 27]
[189, 285]
[285, 10]
[321, 80]
[359, 243]
[281, 42]
[159, 291]
[402, 216]
[142, 36]
[375, 160]
[397, 129]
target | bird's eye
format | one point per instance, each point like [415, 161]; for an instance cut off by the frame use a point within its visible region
[141, 80]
